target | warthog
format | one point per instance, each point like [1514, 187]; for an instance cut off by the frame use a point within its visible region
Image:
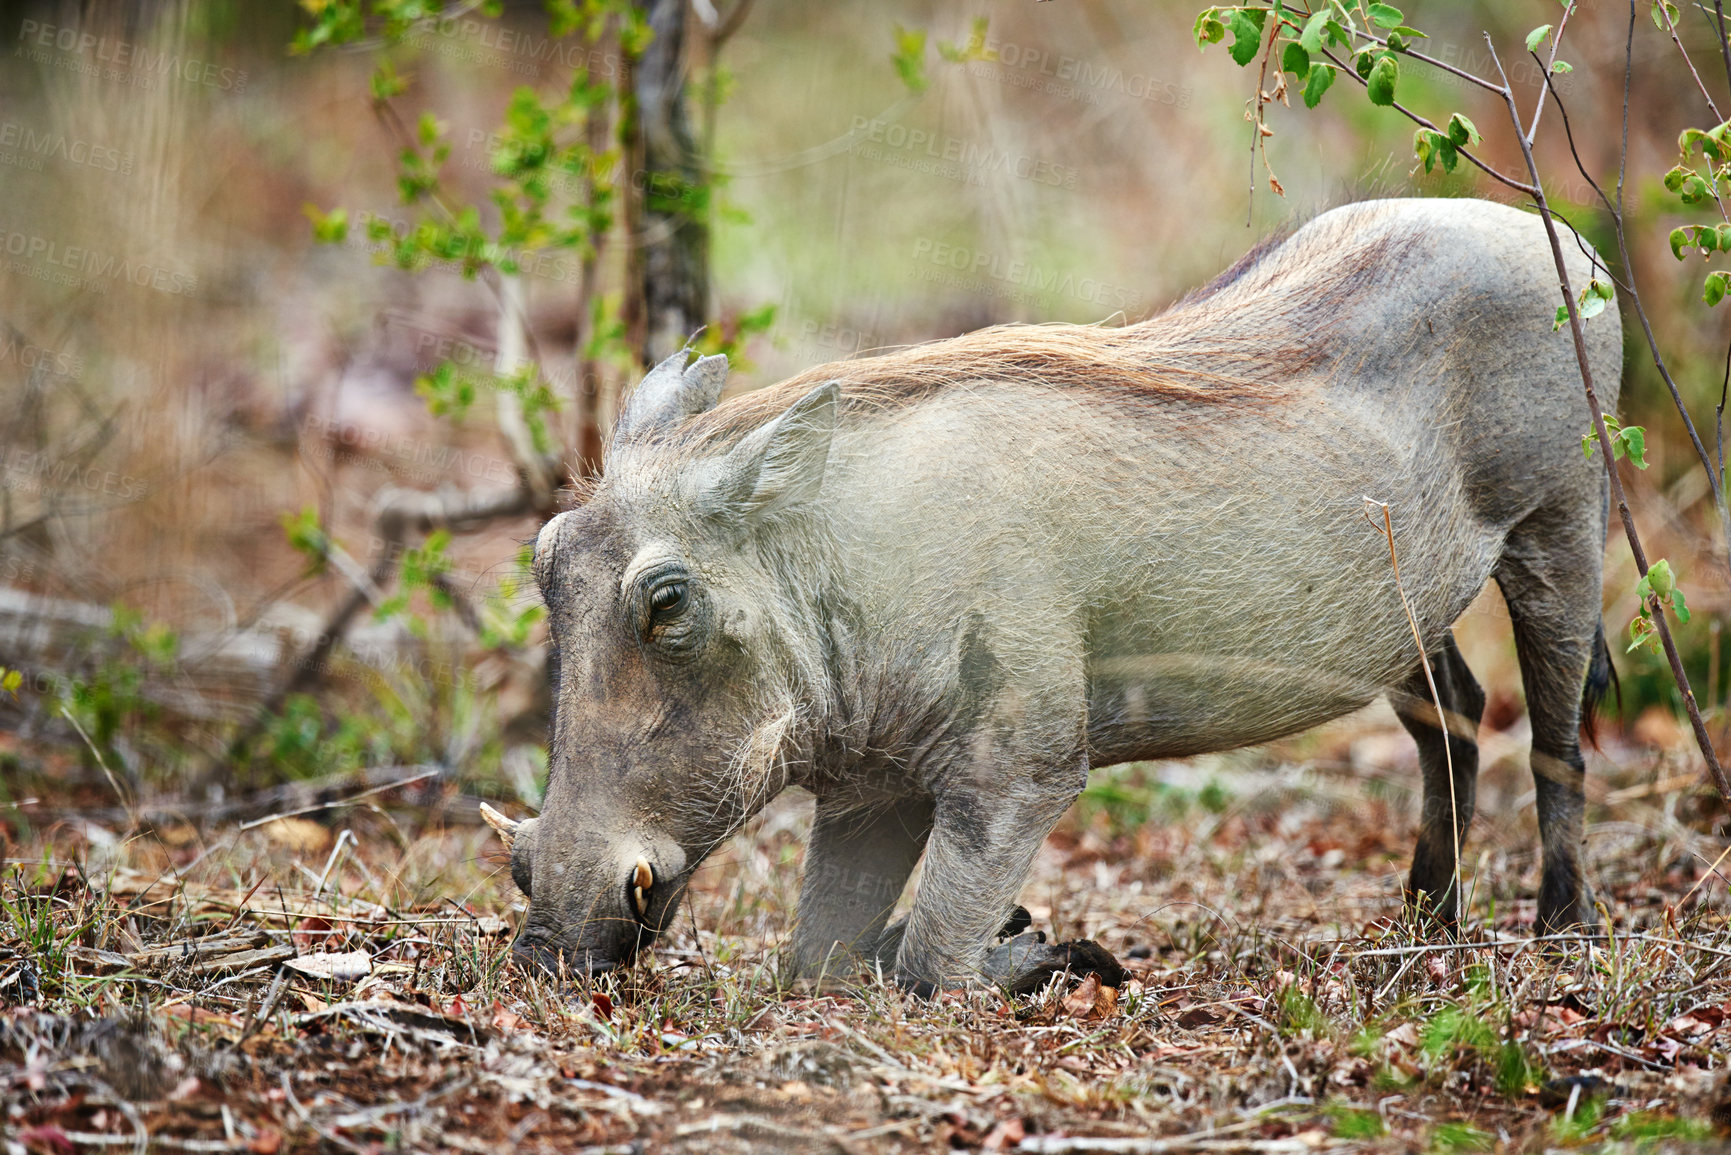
[935, 587]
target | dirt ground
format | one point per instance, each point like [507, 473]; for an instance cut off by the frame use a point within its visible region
[340, 980]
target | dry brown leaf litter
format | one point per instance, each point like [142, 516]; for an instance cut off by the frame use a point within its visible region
[283, 995]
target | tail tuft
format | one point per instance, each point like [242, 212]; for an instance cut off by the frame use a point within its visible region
[1601, 676]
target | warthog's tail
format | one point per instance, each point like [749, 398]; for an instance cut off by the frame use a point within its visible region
[1601, 676]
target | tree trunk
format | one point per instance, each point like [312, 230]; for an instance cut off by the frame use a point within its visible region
[668, 183]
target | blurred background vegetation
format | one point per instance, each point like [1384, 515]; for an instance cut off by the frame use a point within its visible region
[218, 430]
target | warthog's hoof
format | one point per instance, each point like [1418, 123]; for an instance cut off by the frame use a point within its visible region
[1019, 921]
[1027, 963]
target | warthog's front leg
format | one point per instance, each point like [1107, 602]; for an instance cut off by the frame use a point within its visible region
[857, 861]
[989, 824]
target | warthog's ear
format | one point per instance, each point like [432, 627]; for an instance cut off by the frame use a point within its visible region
[779, 464]
[669, 394]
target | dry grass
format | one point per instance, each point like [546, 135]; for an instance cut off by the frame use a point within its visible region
[1277, 1003]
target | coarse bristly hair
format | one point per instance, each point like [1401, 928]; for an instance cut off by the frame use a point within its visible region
[1280, 333]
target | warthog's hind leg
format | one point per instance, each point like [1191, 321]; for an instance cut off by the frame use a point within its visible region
[857, 862]
[1550, 578]
[1447, 810]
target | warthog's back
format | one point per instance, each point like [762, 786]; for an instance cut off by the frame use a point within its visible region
[1178, 508]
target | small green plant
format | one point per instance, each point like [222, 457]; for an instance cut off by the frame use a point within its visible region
[1461, 1035]
[1650, 1126]
[1579, 1125]
[1352, 1123]
[1449, 1138]
[1299, 1014]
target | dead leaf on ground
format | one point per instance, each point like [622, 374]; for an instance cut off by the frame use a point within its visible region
[1091, 1000]
[301, 835]
[336, 967]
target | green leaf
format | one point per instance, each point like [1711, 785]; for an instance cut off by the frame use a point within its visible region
[1713, 291]
[1209, 29]
[1661, 579]
[1311, 37]
[330, 228]
[1294, 59]
[1561, 66]
[1679, 238]
[1246, 33]
[910, 58]
[1675, 178]
[1631, 442]
[1462, 131]
[1537, 37]
[1380, 83]
[1679, 606]
[1600, 288]
[1562, 318]
[1591, 306]
[1385, 16]
[1316, 83]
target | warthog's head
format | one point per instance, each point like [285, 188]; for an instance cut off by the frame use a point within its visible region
[677, 666]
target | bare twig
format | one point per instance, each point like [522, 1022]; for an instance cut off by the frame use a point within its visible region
[1422, 122]
[1430, 680]
[1545, 67]
[1714, 483]
[1671, 28]
[344, 801]
[1615, 480]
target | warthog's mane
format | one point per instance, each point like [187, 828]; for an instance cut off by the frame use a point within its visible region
[1256, 334]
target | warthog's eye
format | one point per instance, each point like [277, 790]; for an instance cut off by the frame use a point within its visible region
[668, 599]
[672, 613]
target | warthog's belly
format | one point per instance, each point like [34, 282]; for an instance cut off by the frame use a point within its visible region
[1173, 705]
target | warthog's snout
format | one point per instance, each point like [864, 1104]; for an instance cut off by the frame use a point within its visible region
[593, 903]
[538, 950]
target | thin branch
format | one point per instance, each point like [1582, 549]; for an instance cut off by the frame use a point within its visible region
[1510, 181]
[1678, 41]
[1724, 45]
[1640, 311]
[1656, 610]
[730, 24]
[1545, 68]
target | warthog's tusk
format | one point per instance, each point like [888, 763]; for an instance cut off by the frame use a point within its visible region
[506, 827]
[642, 879]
